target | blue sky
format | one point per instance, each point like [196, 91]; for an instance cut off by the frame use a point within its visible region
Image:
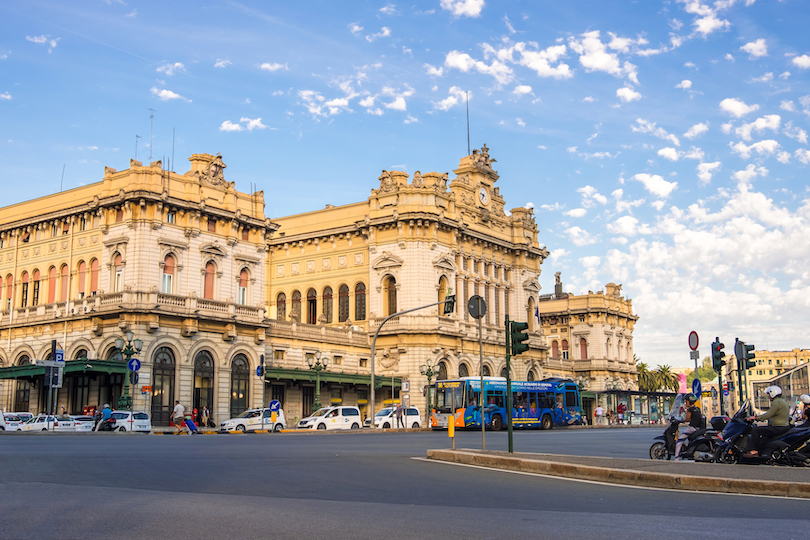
[662, 144]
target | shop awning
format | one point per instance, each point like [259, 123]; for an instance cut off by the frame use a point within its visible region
[279, 374]
[32, 371]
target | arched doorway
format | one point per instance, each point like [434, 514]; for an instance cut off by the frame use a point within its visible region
[203, 382]
[240, 378]
[22, 395]
[162, 386]
[442, 372]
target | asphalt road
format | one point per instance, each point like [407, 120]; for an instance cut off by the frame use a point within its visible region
[348, 485]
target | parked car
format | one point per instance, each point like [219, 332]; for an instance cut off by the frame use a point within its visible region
[83, 423]
[49, 422]
[137, 421]
[24, 416]
[332, 418]
[10, 422]
[387, 418]
[255, 420]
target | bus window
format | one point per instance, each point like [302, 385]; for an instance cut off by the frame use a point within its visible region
[496, 398]
[547, 401]
[571, 398]
[472, 396]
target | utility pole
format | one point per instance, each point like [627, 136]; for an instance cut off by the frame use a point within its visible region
[151, 122]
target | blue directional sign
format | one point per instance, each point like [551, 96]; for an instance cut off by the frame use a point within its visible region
[134, 364]
[696, 387]
[274, 406]
[59, 356]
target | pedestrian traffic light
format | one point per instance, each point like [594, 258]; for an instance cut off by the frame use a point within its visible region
[449, 304]
[518, 334]
[717, 355]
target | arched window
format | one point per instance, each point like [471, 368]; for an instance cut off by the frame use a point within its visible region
[442, 372]
[118, 273]
[82, 278]
[295, 314]
[9, 290]
[281, 306]
[312, 306]
[390, 295]
[240, 377]
[35, 292]
[360, 302]
[208, 281]
[530, 375]
[167, 283]
[343, 303]
[22, 394]
[203, 381]
[486, 371]
[463, 371]
[583, 349]
[327, 304]
[24, 287]
[503, 372]
[94, 277]
[555, 349]
[162, 386]
[243, 286]
[63, 285]
[565, 349]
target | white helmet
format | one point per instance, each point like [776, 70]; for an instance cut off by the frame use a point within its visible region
[805, 399]
[773, 391]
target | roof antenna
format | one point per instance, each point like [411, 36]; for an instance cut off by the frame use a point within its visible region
[136, 146]
[62, 181]
[151, 122]
[468, 122]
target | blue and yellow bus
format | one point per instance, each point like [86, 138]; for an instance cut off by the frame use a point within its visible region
[535, 404]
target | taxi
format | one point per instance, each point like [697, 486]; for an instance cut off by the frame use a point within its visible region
[49, 422]
[256, 420]
[332, 418]
[10, 422]
[137, 421]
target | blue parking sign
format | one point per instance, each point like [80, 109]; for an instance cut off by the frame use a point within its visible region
[59, 356]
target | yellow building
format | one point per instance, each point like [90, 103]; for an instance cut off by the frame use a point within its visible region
[770, 365]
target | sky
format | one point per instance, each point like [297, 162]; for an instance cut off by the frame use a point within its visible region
[662, 144]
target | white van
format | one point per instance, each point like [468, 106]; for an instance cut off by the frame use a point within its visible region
[333, 418]
[387, 418]
[255, 420]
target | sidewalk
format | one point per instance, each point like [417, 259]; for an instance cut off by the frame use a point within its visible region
[687, 476]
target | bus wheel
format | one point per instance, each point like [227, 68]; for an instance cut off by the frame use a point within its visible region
[497, 423]
[547, 423]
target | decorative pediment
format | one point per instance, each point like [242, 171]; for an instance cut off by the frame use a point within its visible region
[444, 261]
[532, 285]
[213, 249]
[114, 242]
[387, 260]
[247, 258]
[171, 242]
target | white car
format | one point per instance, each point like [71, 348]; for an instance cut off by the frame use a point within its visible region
[24, 416]
[83, 423]
[137, 421]
[10, 422]
[256, 420]
[387, 418]
[332, 418]
[49, 422]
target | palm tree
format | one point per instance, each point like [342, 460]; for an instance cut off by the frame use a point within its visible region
[666, 379]
[647, 381]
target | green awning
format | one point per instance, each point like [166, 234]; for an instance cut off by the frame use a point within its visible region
[31, 371]
[279, 374]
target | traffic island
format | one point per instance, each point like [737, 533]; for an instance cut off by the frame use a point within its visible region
[685, 476]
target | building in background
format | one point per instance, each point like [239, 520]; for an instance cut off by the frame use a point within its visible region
[770, 366]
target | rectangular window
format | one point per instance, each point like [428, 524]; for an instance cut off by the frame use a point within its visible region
[119, 216]
[245, 234]
[242, 295]
[167, 283]
[24, 296]
[364, 362]
[66, 228]
[338, 361]
[565, 355]
[35, 298]
[119, 277]
[212, 225]
[83, 224]
[278, 355]
[54, 230]
[170, 218]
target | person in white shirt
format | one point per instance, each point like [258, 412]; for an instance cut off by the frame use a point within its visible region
[599, 412]
[178, 417]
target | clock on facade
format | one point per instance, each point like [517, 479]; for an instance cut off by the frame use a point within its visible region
[483, 195]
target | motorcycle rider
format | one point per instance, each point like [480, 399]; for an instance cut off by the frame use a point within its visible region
[105, 414]
[805, 398]
[778, 417]
[694, 419]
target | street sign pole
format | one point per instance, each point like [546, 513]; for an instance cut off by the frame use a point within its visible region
[478, 308]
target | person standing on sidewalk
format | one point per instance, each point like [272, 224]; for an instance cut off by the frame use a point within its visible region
[598, 412]
[399, 416]
[179, 417]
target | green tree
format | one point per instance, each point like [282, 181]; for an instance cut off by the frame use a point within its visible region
[705, 372]
[647, 381]
[666, 379]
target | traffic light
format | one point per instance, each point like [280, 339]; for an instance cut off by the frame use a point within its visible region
[717, 355]
[749, 356]
[745, 358]
[518, 334]
[449, 304]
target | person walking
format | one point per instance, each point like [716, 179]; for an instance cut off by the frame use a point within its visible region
[598, 412]
[399, 416]
[205, 416]
[179, 416]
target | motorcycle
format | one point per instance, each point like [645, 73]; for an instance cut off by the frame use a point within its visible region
[106, 425]
[783, 449]
[699, 445]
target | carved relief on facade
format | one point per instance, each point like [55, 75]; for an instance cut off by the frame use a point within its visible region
[389, 358]
[280, 270]
[342, 261]
[295, 268]
[326, 264]
[358, 259]
[310, 266]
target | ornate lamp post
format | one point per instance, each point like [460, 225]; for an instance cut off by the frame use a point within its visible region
[128, 349]
[427, 370]
[317, 364]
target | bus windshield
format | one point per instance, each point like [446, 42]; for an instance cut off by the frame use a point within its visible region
[449, 396]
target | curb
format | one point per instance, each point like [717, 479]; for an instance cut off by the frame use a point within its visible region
[624, 476]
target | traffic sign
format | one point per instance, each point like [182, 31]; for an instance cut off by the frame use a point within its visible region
[134, 364]
[696, 386]
[694, 355]
[59, 356]
[133, 377]
[274, 406]
[477, 307]
[725, 388]
[693, 340]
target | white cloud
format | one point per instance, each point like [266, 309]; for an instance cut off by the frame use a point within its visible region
[729, 57]
[463, 8]
[624, 226]
[37, 39]
[755, 49]
[571, 149]
[686, 84]
[368, 101]
[384, 32]
[433, 71]
[5, 96]
[803, 155]
[627, 94]
[705, 171]
[645, 126]
[169, 69]
[656, 185]
[745, 176]
[355, 29]
[795, 132]
[765, 78]
[410, 119]
[399, 103]
[590, 196]
[694, 153]
[696, 130]
[784, 75]
[594, 55]
[769, 121]
[522, 89]
[710, 23]
[669, 153]
[389, 9]
[576, 212]
[509, 25]
[253, 124]
[502, 73]
[227, 125]
[579, 236]
[167, 95]
[588, 99]
[457, 95]
[802, 62]
[783, 157]
[222, 63]
[520, 122]
[244, 124]
[273, 66]
[540, 61]
[763, 148]
[788, 106]
[737, 107]
[542, 147]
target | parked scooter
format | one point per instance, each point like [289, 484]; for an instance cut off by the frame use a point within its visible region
[700, 445]
[106, 425]
[780, 450]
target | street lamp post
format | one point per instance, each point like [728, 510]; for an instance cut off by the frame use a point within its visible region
[128, 349]
[317, 364]
[427, 370]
